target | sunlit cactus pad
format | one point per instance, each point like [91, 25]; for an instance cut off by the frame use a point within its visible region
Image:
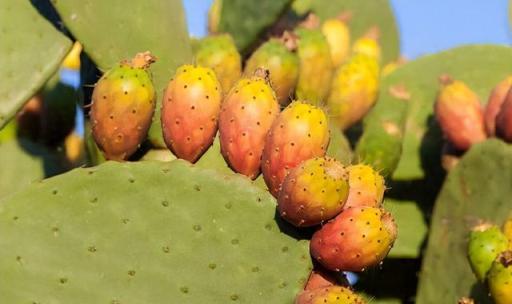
[147, 232]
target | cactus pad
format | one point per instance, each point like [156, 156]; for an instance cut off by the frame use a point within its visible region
[478, 188]
[147, 232]
[29, 61]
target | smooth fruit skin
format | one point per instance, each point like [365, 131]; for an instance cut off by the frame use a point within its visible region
[338, 37]
[459, 114]
[504, 119]
[219, 53]
[313, 192]
[282, 64]
[486, 242]
[499, 278]
[354, 90]
[329, 295]
[316, 66]
[496, 99]
[366, 187]
[123, 103]
[300, 132]
[358, 238]
[190, 111]
[245, 119]
[368, 44]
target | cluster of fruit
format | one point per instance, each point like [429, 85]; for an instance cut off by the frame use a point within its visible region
[490, 256]
[462, 119]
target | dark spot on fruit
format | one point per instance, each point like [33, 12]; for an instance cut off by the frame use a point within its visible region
[185, 86]
[212, 266]
[125, 92]
[63, 280]
[193, 107]
[234, 297]
[207, 97]
[131, 273]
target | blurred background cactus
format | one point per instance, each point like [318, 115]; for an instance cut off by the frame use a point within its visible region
[201, 233]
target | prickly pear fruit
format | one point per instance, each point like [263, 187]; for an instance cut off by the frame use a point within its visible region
[499, 278]
[219, 53]
[366, 187]
[313, 192]
[319, 278]
[496, 99]
[486, 241]
[459, 114]
[316, 68]
[214, 16]
[338, 36]
[368, 44]
[190, 111]
[278, 57]
[354, 90]
[123, 102]
[332, 295]
[300, 132]
[504, 119]
[507, 230]
[358, 238]
[245, 119]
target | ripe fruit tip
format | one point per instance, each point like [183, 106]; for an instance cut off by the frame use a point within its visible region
[141, 60]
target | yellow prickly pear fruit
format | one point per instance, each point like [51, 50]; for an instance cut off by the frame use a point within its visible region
[316, 65]
[219, 53]
[507, 230]
[338, 36]
[366, 187]
[368, 44]
[354, 90]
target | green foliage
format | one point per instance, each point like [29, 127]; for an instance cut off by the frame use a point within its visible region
[365, 14]
[478, 188]
[147, 232]
[111, 31]
[246, 20]
[31, 51]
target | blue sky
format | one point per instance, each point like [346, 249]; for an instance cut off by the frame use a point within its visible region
[425, 26]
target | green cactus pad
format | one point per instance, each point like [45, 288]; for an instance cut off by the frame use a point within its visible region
[147, 232]
[246, 20]
[365, 15]
[422, 139]
[111, 31]
[478, 188]
[31, 51]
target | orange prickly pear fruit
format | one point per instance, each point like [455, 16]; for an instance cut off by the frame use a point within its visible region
[300, 132]
[247, 114]
[190, 110]
[279, 58]
[504, 119]
[313, 192]
[219, 53]
[123, 103]
[338, 36]
[459, 114]
[496, 99]
[366, 187]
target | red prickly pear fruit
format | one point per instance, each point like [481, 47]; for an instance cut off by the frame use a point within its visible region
[123, 103]
[486, 241]
[499, 278]
[277, 55]
[366, 187]
[329, 295]
[190, 111]
[496, 99]
[504, 119]
[459, 114]
[358, 238]
[320, 277]
[300, 132]
[313, 192]
[246, 117]
[219, 53]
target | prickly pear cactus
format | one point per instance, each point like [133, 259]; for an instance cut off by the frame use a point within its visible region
[246, 27]
[170, 238]
[112, 30]
[40, 59]
[473, 191]
[365, 14]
